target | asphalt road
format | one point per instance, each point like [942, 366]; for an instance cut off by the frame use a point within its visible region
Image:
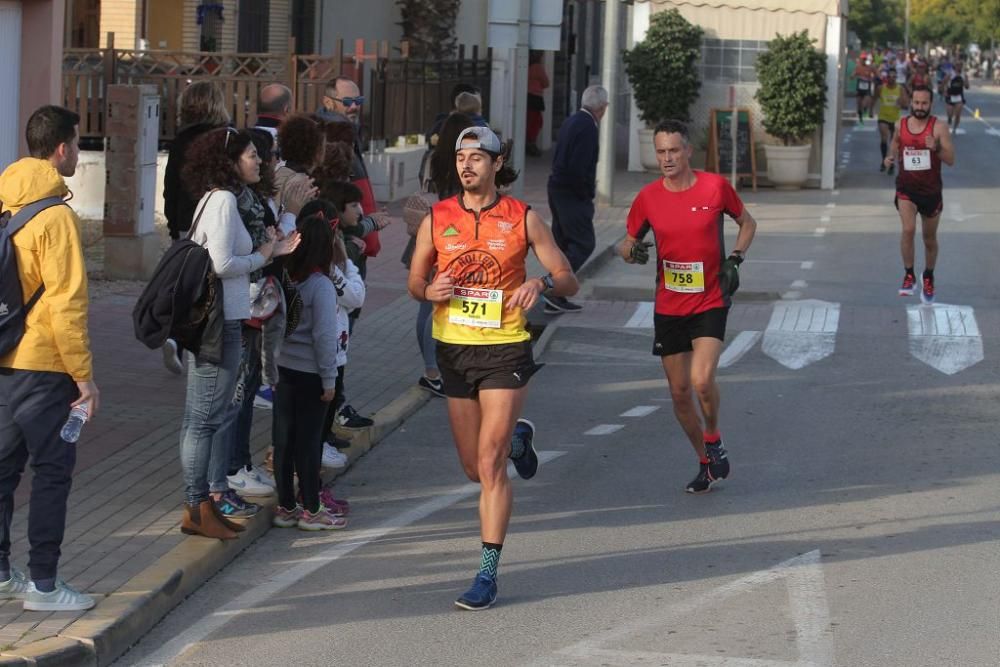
[859, 526]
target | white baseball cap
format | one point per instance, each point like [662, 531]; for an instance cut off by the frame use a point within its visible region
[486, 140]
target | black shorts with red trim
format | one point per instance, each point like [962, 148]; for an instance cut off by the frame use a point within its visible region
[928, 206]
[673, 333]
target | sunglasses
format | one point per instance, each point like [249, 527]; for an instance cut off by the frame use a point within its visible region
[229, 132]
[350, 101]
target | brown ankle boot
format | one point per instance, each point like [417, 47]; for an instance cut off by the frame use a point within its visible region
[228, 523]
[201, 520]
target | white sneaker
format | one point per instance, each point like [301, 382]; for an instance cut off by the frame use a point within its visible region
[332, 457]
[245, 483]
[263, 476]
[16, 587]
[63, 598]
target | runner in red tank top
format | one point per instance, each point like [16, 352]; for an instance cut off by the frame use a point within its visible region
[920, 144]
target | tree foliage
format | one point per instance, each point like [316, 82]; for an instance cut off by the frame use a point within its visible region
[661, 68]
[878, 22]
[792, 94]
[429, 26]
[956, 22]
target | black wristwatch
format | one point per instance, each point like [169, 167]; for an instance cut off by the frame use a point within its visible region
[736, 256]
[547, 281]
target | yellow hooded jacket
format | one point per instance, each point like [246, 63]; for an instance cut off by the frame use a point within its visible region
[50, 252]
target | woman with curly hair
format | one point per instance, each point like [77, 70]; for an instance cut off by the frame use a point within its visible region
[202, 109]
[221, 165]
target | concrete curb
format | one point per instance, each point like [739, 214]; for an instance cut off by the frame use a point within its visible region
[121, 619]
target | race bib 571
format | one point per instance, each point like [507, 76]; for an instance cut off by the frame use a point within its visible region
[476, 307]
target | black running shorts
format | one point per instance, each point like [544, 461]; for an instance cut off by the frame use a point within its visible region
[928, 206]
[674, 333]
[467, 369]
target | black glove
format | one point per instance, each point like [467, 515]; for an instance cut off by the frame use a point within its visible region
[640, 251]
[729, 276]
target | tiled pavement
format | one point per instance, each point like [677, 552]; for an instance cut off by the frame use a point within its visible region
[124, 509]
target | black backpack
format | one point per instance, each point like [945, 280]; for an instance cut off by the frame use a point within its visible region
[13, 309]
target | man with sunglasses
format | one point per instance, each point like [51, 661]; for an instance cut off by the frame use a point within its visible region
[342, 102]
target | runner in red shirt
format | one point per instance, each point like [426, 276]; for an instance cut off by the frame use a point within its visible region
[921, 145]
[694, 284]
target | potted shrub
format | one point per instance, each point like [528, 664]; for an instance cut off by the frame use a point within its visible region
[792, 96]
[661, 69]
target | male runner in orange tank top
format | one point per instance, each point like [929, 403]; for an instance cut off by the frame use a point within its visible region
[469, 261]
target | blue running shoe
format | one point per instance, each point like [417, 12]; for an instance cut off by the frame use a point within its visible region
[264, 398]
[527, 463]
[481, 595]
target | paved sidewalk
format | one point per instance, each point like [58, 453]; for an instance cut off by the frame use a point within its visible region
[123, 544]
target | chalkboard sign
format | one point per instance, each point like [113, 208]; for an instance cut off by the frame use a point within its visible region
[720, 144]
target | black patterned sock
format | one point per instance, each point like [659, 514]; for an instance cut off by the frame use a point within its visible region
[491, 558]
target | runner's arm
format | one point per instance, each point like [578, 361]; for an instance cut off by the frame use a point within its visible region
[552, 260]
[419, 284]
[748, 228]
[893, 152]
[946, 149]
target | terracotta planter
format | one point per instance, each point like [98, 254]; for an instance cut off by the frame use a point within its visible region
[788, 166]
[647, 151]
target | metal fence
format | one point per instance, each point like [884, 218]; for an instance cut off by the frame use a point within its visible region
[407, 94]
[404, 94]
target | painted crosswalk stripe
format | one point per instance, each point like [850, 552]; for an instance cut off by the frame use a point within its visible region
[642, 318]
[945, 337]
[801, 332]
[604, 429]
[744, 341]
[640, 411]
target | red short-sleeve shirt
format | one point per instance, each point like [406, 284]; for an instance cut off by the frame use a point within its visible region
[690, 248]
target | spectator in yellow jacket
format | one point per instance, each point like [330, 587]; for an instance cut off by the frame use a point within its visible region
[49, 371]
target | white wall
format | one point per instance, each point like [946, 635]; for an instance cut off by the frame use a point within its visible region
[10, 81]
[378, 19]
[87, 185]
[358, 19]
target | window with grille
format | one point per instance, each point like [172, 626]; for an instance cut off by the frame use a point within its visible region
[210, 19]
[730, 60]
[252, 31]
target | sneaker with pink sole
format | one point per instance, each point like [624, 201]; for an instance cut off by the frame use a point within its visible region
[321, 520]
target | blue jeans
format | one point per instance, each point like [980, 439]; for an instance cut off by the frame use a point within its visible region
[208, 412]
[425, 326]
[246, 390]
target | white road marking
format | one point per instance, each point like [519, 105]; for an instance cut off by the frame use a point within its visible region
[953, 211]
[824, 218]
[810, 612]
[799, 284]
[642, 318]
[820, 231]
[960, 130]
[864, 128]
[283, 578]
[801, 332]
[744, 341]
[945, 337]
[604, 429]
[791, 295]
[993, 131]
[835, 193]
[831, 205]
[640, 411]
[776, 261]
[807, 265]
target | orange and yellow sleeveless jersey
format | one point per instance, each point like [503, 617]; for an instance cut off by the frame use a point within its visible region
[484, 253]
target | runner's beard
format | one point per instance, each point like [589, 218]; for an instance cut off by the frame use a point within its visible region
[920, 114]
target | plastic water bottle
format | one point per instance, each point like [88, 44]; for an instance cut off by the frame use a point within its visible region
[77, 418]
